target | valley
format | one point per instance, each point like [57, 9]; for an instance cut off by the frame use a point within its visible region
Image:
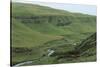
[36, 29]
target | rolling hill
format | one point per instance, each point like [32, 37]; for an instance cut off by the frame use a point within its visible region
[37, 28]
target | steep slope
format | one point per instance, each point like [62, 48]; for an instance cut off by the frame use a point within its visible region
[88, 46]
[85, 51]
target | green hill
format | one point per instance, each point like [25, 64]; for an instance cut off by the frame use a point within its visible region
[40, 27]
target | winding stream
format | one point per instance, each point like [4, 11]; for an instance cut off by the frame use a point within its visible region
[23, 63]
[50, 52]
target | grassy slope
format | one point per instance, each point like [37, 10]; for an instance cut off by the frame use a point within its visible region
[83, 52]
[49, 18]
[31, 34]
[23, 35]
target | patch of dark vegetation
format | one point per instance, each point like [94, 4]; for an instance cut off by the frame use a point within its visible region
[21, 50]
[63, 24]
[61, 20]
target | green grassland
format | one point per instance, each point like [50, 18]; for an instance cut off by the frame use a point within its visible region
[35, 29]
